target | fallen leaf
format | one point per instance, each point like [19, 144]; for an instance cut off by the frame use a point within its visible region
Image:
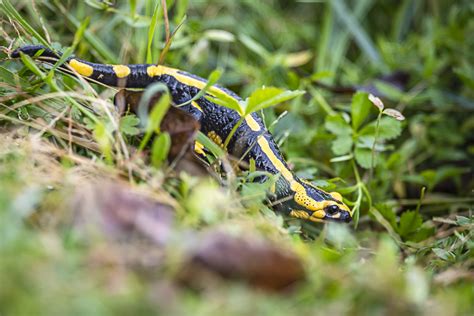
[119, 210]
[253, 260]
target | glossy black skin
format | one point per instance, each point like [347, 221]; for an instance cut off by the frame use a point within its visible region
[213, 118]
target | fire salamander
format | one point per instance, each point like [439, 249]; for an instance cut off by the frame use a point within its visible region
[293, 196]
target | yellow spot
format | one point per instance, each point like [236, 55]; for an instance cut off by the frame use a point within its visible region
[252, 123]
[154, 71]
[199, 148]
[299, 214]
[121, 71]
[81, 68]
[215, 138]
[303, 199]
[195, 105]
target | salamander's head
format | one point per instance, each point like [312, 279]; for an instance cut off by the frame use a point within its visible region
[311, 203]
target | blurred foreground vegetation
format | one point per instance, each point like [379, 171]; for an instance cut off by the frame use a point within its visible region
[91, 226]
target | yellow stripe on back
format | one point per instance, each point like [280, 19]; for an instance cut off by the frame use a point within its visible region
[196, 105]
[159, 70]
[277, 163]
[81, 68]
[252, 123]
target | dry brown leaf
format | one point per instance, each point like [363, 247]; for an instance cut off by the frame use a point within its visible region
[119, 210]
[253, 260]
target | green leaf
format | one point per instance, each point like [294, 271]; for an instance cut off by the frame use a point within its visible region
[153, 121]
[410, 222]
[269, 96]
[422, 234]
[158, 113]
[342, 145]
[364, 158]
[254, 46]
[389, 128]
[151, 33]
[360, 108]
[30, 64]
[160, 148]
[211, 81]
[103, 139]
[337, 125]
[9, 77]
[388, 213]
[223, 99]
[128, 125]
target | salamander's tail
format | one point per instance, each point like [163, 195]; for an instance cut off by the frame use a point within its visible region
[127, 76]
[32, 50]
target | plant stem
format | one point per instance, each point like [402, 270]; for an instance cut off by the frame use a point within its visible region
[232, 132]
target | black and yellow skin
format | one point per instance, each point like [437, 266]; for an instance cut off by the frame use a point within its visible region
[292, 196]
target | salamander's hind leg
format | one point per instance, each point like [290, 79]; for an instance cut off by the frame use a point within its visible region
[127, 101]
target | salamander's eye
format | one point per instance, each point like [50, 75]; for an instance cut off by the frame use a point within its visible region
[332, 209]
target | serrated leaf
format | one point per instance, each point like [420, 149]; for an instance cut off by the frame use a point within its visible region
[422, 234]
[364, 157]
[367, 141]
[337, 125]
[410, 222]
[388, 129]
[342, 145]
[360, 108]
[267, 97]
[128, 125]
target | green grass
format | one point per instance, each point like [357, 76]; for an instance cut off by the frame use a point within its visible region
[410, 249]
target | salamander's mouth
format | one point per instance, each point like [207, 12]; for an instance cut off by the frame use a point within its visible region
[342, 216]
[325, 215]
